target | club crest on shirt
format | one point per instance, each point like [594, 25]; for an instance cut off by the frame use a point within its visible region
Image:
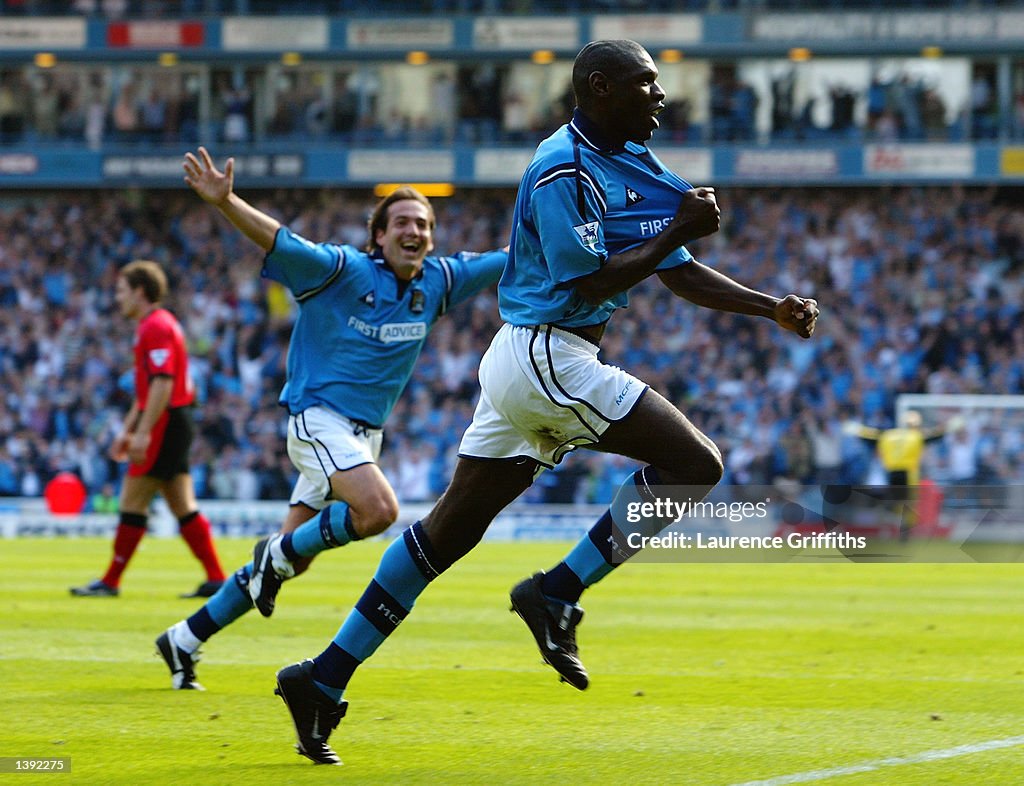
[587, 233]
[159, 356]
[417, 301]
[633, 196]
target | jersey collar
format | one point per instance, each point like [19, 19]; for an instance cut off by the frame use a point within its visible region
[378, 258]
[585, 130]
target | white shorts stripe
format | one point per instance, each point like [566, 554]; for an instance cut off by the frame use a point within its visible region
[322, 442]
[302, 434]
[557, 384]
[554, 382]
[543, 393]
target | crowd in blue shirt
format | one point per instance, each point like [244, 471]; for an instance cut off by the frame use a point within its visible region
[921, 291]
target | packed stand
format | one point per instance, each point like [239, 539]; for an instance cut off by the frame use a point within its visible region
[127, 106]
[921, 291]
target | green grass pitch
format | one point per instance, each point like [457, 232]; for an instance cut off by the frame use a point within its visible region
[701, 674]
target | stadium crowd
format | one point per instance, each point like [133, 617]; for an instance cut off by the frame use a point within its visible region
[103, 106]
[921, 291]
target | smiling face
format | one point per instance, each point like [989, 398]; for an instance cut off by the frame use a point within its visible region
[407, 237]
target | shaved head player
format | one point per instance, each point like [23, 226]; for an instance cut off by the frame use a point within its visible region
[597, 212]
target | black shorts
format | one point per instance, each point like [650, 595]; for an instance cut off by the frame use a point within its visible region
[175, 442]
[899, 492]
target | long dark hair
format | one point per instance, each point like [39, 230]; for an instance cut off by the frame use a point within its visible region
[379, 217]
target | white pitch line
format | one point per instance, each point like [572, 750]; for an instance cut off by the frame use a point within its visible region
[895, 761]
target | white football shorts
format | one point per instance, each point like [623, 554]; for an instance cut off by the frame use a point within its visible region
[322, 442]
[543, 394]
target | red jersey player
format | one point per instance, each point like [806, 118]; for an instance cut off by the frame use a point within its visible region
[157, 433]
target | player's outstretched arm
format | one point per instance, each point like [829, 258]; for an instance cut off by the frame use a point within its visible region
[217, 188]
[473, 273]
[697, 215]
[706, 287]
[955, 423]
[866, 433]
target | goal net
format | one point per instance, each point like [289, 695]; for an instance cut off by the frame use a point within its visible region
[978, 465]
[989, 437]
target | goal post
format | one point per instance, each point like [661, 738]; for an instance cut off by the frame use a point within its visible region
[993, 500]
[985, 408]
[994, 423]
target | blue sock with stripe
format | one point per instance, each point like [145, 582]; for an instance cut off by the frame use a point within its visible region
[229, 603]
[408, 565]
[605, 546]
[328, 529]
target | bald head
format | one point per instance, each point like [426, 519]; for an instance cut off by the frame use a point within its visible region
[616, 86]
[610, 58]
[911, 419]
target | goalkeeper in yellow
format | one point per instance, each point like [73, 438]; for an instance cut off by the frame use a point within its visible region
[900, 451]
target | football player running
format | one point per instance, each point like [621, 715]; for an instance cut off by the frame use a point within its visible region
[596, 213]
[363, 319]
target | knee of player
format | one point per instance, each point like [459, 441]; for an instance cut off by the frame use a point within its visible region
[375, 517]
[696, 466]
[714, 464]
[706, 466]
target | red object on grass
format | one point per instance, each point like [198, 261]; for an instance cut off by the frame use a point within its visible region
[65, 493]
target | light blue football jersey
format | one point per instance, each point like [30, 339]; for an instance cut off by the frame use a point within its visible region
[580, 202]
[360, 329]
